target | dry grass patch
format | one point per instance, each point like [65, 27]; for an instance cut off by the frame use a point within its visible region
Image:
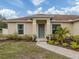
[26, 50]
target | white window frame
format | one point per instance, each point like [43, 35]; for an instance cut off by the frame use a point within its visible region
[23, 28]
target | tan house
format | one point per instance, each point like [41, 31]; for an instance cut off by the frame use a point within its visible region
[42, 24]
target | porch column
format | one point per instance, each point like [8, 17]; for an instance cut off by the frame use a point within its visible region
[34, 27]
[48, 27]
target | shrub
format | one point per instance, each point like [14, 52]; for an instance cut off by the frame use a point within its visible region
[65, 44]
[56, 43]
[76, 38]
[54, 37]
[14, 37]
[10, 37]
[50, 41]
[27, 38]
[3, 36]
[61, 33]
[74, 45]
[68, 39]
[17, 37]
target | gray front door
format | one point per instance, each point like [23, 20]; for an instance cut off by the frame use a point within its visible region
[41, 30]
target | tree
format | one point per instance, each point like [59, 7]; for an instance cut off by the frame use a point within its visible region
[2, 24]
[62, 33]
[2, 18]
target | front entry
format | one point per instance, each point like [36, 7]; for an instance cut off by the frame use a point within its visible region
[41, 30]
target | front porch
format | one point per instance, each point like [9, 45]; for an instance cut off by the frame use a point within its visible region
[41, 28]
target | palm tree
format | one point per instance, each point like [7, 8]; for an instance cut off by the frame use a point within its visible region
[61, 34]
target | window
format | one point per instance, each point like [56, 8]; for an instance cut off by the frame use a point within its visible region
[20, 28]
[54, 28]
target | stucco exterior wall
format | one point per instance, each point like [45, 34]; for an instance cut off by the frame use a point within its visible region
[68, 26]
[28, 28]
[11, 28]
[76, 28]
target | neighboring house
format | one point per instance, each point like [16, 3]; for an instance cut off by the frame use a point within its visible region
[43, 24]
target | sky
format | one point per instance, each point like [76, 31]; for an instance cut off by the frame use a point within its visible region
[22, 8]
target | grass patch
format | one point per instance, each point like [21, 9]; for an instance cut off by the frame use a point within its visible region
[26, 50]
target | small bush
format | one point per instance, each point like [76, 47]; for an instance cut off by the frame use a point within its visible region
[3, 36]
[56, 43]
[50, 41]
[17, 37]
[52, 37]
[76, 38]
[74, 45]
[27, 38]
[65, 44]
[68, 39]
[14, 37]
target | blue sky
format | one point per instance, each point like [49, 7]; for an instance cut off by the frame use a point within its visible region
[19, 8]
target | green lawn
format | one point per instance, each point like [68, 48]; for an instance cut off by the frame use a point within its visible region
[25, 50]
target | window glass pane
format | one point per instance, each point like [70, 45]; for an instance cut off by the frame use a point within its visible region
[54, 28]
[20, 31]
[20, 28]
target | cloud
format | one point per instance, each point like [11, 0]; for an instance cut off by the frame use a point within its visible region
[76, 0]
[68, 10]
[8, 13]
[74, 9]
[73, 2]
[77, 3]
[38, 11]
[51, 10]
[29, 12]
[37, 2]
[18, 3]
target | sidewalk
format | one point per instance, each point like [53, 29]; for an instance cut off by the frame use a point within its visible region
[66, 52]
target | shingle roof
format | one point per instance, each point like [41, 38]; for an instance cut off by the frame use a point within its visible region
[41, 15]
[20, 18]
[53, 16]
[66, 17]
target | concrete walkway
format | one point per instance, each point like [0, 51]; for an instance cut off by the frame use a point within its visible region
[66, 52]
